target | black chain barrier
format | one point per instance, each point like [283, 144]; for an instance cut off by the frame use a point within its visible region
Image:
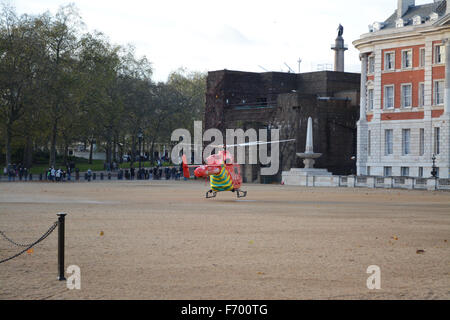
[27, 246]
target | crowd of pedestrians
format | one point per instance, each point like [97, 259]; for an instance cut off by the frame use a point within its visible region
[19, 172]
[71, 173]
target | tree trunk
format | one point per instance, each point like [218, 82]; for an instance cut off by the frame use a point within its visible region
[28, 153]
[66, 152]
[91, 150]
[108, 151]
[152, 153]
[133, 149]
[114, 149]
[8, 144]
[109, 146]
[52, 162]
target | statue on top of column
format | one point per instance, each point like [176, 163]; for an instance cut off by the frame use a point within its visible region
[340, 30]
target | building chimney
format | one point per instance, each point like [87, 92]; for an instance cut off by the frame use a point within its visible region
[403, 6]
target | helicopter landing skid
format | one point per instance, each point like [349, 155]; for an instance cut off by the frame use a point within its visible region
[241, 194]
[211, 194]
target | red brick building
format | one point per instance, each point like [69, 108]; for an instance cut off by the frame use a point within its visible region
[404, 115]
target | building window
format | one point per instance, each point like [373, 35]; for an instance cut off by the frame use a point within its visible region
[405, 171]
[439, 92]
[422, 57]
[389, 142]
[388, 171]
[417, 20]
[368, 171]
[369, 143]
[371, 64]
[434, 16]
[406, 59]
[406, 95]
[389, 97]
[421, 94]
[406, 134]
[420, 172]
[437, 140]
[389, 61]
[370, 99]
[439, 54]
[422, 142]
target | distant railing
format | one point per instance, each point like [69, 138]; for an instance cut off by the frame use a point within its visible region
[369, 182]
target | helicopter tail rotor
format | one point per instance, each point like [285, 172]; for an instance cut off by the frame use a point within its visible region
[186, 172]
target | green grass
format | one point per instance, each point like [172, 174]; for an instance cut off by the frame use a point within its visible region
[83, 165]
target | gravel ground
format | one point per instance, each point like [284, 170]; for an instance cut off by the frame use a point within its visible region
[164, 240]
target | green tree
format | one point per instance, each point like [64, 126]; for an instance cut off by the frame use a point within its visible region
[102, 105]
[21, 52]
[60, 36]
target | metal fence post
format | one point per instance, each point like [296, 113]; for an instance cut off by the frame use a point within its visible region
[61, 231]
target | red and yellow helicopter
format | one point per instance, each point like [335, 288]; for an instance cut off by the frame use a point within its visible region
[223, 172]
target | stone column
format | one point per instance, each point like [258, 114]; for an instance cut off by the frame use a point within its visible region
[362, 127]
[363, 102]
[339, 56]
[447, 77]
[445, 155]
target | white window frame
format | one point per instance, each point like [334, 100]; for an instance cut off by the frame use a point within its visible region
[385, 96]
[410, 55]
[420, 173]
[421, 94]
[388, 143]
[421, 141]
[404, 171]
[406, 142]
[438, 95]
[417, 20]
[439, 54]
[385, 60]
[386, 170]
[403, 97]
[370, 97]
[437, 141]
[399, 23]
[422, 57]
[371, 65]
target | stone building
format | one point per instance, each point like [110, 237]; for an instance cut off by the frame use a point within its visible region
[247, 100]
[404, 116]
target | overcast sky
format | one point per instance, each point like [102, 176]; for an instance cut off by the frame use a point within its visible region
[207, 35]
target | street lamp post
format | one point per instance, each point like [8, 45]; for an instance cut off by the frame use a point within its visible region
[434, 171]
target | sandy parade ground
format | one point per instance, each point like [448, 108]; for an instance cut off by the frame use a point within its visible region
[164, 240]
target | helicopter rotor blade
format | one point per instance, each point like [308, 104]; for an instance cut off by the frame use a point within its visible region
[256, 143]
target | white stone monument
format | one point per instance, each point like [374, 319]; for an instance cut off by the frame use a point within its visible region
[299, 177]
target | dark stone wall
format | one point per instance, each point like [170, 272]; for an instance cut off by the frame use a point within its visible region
[328, 83]
[334, 131]
[237, 99]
